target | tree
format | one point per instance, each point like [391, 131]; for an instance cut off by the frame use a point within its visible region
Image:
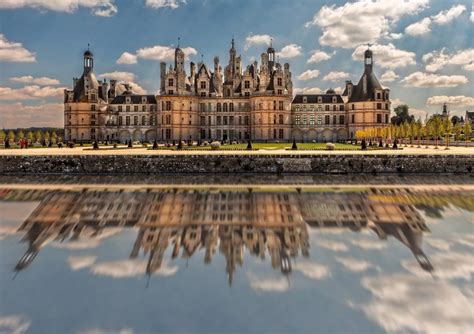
[38, 136]
[402, 115]
[436, 128]
[3, 135]
[46, 135]
[467, 131]
[21, 135]
[447, 129]
[54, 136]
[417, 126]
[11, 136]
[457, 129]
[30, 136]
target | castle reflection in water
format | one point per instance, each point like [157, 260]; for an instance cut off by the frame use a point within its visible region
[265, 223]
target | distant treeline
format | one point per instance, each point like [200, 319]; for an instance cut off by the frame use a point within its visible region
[33, 134]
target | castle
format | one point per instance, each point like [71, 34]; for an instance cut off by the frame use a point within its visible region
[234, 104]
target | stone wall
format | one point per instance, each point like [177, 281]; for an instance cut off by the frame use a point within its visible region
[321, 163]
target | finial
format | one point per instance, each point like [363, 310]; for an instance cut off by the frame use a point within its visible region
[368, 46]
[232, 42]
[179, 39]
[88, 45]
[202, 58]
[271, 41]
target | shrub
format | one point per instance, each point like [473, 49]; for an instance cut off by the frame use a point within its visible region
[215, 145]
[330, 146]
[205, 143]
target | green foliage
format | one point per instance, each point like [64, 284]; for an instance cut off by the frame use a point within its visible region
[38, 135]
[11, 135]
[3, 135]
[21, 135]
[402, 115]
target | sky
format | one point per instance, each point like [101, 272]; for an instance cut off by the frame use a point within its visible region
[423, 50]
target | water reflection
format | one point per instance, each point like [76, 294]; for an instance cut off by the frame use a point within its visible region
[263, 222]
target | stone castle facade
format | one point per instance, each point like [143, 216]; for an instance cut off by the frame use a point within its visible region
[230, 104]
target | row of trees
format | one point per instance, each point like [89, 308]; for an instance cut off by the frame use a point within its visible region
[435, 128]
[33, 137]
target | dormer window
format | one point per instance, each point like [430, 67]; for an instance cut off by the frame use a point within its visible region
[247, 84]
[280, 82]
[379, 96]
[334, 99]
[320, 99]
[127, 100]
[305, 99]
[170, 82]
[203, 85]
[143, 100]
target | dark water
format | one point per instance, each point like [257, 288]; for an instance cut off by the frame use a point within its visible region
[78, 257]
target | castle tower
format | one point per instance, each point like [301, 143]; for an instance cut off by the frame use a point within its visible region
[271, 57]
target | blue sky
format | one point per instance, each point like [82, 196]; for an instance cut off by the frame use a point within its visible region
[423, 49]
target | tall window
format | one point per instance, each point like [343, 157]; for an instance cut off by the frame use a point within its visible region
[93, 107]
[280, 105]
[135, 120]
[297, 119]
[334, 119]
[127, 108]
[127, 120]
[311, 120]
[341, 119]
[320, 119]
[353, 119]
[379, 118]
[170, 82]
[143, 120]
[247, 84]
[280, 119]
[135, 108]
[168, 105]
[231, 106]
[327, 119]
[219, 107]
[120, 120]
[203, 85]
[225, 106]
[280, 82]
[341, 107]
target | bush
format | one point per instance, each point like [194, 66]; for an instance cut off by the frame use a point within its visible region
[330, 146]
[215, 145]
[205, 143]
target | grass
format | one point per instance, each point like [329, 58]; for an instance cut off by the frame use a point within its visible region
[267, 146]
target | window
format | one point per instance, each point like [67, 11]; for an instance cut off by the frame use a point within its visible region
[353, 119]
[127, 108]
[341, 119]
[218, 120]
[334, 108]
[170, 82]
[297, 119]
[274, 119]
[225, 120]
[327, 119]
[225, 106]
[341, 107]
[334, 119]
[274, 105]
[280, 133]
[247, 94]
[311, 120]
[280, 105]
[240, 120]
[143, 120]
[170, 92]
[379, 118]
[246, 120]
[135, 120]
[168, 105]
[203, 94]
[203, 85]
[135, 108]
[280, 82]
[304, 120]
[379, 105]
[219, 107]
[386, 118]
[144, 108]
[231, 106]
[280, 119]
[168, 119]
[279, 92]
[93, 107]
[353, 106]
[326, 107]
[378, 96]
[203, 120]
[120, 120]
[247, 84]
[127, 120]
[320, 119]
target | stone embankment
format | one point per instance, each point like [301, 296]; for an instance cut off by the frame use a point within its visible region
[230, 163]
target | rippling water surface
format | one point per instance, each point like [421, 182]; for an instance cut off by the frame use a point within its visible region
[286, 255]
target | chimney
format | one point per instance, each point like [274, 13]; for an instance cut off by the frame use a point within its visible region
[349, 87]
[162, 76]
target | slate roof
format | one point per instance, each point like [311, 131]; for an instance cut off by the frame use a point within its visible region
[79, 89]
[313, 98]
[358, 93]
[135, 99]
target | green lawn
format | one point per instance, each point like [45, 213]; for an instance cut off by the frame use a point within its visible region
[268, 146]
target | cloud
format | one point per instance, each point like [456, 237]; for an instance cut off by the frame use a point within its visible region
[137, 89]
[355, 265]
[87, 242]
[389, 76]
[252, 40]
[319, 56]
[290, 51]
[308, 75]
[121, 76]
[80, 262]
[420, 79]
[267, 284]
[421, 27]
[130, 268]
[374, 20]
[99, 7]
[386, 56]
[313, 270]
[158, 52]
[33, 92]
[368, 244]
[336, 76]
[42, 81]
[127, 58]
[467, 240]
[14, 52]
[472, 14]
[438, 243]
[406, 303]
[307, 90]
[157, 4]
[439, 59]
[17, 114]
[448, 265]
[14, 324]
[446, 16]
[333, 245]
[6, 231]
[105, 331]
[459, 100]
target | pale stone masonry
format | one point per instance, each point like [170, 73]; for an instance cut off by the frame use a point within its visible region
[234, 104]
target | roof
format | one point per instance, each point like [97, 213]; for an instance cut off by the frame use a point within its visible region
[313, 98]
[79, 88]
[135, 99]
[470, 116]
[369, 80]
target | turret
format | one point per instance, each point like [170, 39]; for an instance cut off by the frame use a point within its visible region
[162, 76]
[368, 60]
[88, 61]
[271, 57]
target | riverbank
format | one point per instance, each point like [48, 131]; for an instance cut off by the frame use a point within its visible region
[371, 162]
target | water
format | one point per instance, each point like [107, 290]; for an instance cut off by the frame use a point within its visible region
[94, 255]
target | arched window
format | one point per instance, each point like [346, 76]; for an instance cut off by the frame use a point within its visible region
[219, 108]
[231, 106]
[225, 106]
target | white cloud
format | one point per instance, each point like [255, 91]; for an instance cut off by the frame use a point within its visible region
[130, 268]
[6, 231]
[87, 242]
[467, 240]
[319, 56]
[14, 324]
[16, 114]
[406, 303]
[459, 100]
[137, 89]
[374, 20]
[394, 36]
[446, 16]
[268, 284]
[421, 27]
[336, 76]
[355, 265]
[368, 244]
[80, 262]
[42, 81]
[99, 7]
[307, 90]
[290, 51]
[438, 243]
[121, 76]
[14, 52]
[313, 270]
[420, 79]
[472, 14]
[396, 102]
[308, 75]
[163, 53]
[389, 76]
[127, 58]
[30, 93]
[447, 265]
[333, 245]
[439, 59]
[156, 4]
[252, 40]
[386, 56]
